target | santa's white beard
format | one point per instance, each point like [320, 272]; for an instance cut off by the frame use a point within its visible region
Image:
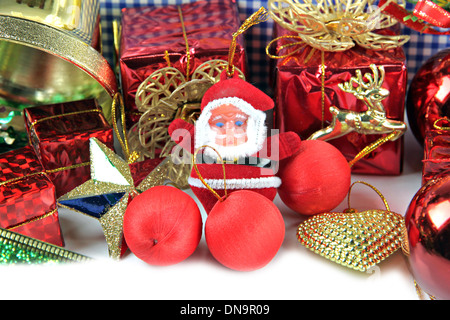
[256, 131]
[250, 147]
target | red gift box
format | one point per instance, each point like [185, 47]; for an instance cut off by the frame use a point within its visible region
[436, 150]
[60, 136]
[140, 170]
[298, 92]
[27, 197]
[148, 32]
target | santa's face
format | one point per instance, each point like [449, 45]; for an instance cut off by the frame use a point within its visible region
[232, 126]
[229, 124]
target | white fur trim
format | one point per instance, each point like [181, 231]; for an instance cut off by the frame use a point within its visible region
[251, 183]
[256, 130]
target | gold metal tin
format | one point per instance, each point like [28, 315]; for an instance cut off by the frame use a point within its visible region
[46, 54]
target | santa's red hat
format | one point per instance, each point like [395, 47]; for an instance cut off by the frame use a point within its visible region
[239, 90]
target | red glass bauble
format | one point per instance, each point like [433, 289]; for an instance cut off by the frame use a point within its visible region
[428, 224]
[428, 96]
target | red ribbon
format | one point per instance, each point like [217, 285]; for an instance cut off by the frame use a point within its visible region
[432, 13]
[425, 10]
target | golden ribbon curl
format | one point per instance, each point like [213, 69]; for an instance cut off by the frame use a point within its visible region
[130, 156]
[259, 16]
[336, 25]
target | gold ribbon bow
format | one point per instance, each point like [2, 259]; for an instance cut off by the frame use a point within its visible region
[336, 25]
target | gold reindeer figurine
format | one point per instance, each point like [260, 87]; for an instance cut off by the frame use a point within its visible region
[372, 121]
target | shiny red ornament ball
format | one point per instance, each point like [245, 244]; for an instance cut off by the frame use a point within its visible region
[428, 224]
[316, 179]
[162, 226]
[245, 231]
[428, 96]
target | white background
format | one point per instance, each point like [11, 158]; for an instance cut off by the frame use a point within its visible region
[295, 273]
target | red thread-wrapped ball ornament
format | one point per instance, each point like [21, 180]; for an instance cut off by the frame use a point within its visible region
[244, 231]
[316, 179]
[162, 226]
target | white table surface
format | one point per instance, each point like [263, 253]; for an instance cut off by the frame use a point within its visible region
[295, 273]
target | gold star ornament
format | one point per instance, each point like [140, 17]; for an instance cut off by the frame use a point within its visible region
[106, 195]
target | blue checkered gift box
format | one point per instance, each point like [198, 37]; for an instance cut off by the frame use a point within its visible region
[417, 50]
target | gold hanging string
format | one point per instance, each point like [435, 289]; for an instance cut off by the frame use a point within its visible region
[166, 57]
[18, 179]
[74, 166]
[130, 156]
[371, 186]
[259, 16]
[439, 127]
[322, 87]
[117, 30]
[372, 147]
[299, 44]
[188, 54]
[43, 216]
[420, 292]
[35, 122]
[194, 164]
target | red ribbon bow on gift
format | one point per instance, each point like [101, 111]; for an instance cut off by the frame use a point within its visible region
[426, 10]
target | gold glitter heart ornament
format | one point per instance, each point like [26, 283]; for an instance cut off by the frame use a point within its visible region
[358, 240]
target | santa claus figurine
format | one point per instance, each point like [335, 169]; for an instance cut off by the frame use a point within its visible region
[232, 123]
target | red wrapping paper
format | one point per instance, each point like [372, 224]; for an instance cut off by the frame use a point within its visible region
[298, 95]
[27, 197]
[436, 152]
[140, 170]
[63, 141]
[147, 32]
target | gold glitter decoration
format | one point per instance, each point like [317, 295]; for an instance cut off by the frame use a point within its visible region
[73, 69]
[164, 96]
[112, 225]
[357, 240]
[78, 17]
[111, 174]
[336, 25]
